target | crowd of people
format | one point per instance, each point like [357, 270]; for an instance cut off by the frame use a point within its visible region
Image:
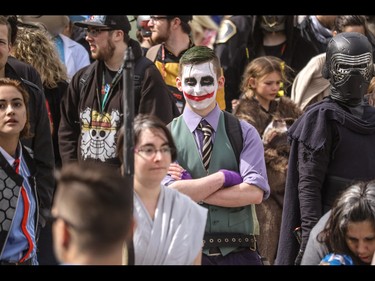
[250, 140]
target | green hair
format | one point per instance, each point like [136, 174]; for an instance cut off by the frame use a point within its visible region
[198, 55]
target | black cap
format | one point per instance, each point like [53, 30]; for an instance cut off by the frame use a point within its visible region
[112, 22]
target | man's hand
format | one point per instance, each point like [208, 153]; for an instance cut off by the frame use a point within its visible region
[177, 172]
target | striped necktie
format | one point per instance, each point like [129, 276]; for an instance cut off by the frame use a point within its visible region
[207, 143]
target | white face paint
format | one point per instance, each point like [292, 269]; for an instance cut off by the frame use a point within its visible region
[199, 85]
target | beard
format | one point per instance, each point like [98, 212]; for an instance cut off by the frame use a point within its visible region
[158, 37]
[106, 53]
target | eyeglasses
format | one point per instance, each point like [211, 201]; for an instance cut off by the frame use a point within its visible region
[157, 18]
[150, 151]
[95, 32]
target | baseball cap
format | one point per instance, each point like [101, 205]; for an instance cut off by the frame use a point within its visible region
[112, 22]
[74, 18]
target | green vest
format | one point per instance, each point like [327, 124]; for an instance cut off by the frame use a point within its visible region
[219, 219]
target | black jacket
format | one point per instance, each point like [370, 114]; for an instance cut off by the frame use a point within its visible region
[54, 96]
[26, 71]
[88, 131]
[246, 44]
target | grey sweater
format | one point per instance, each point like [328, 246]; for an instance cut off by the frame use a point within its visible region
[315, 250]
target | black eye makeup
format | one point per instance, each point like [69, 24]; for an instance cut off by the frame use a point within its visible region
[207, 81]
[191, 81]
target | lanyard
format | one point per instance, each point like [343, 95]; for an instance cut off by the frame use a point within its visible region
[108, 88]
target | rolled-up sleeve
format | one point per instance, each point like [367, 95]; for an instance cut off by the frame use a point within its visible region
[252, 163]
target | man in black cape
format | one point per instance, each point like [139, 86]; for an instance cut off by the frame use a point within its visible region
[332, 143]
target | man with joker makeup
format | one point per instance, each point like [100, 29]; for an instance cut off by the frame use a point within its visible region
[228, 189]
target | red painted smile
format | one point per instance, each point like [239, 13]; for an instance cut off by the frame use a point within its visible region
[199, 98]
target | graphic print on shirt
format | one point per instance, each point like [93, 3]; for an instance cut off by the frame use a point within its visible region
[98, 134]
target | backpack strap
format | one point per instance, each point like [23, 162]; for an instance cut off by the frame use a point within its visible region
[152, 52]
[85, 75]
[234, 132]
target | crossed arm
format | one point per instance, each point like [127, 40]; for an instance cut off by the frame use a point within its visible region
[216, 189]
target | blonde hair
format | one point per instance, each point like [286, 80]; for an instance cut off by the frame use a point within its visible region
[34, 46]
[371, 92]
[263, 66]
[198, 26]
